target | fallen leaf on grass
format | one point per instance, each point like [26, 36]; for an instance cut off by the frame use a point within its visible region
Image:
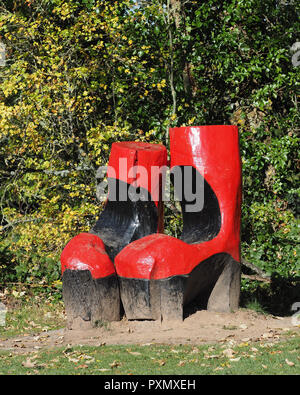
[244, 344]
[68, 349]
[84, 356]
[32, 323]
[29, 363]
[74, 360]
[55, 360]
[228, 352]
[234, 359]
[224, 365]
[289, 363]
[90, 361]
[115, 364]
[181, 363]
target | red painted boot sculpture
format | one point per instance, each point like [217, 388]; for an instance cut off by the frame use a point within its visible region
[132, 210]
[159, 274]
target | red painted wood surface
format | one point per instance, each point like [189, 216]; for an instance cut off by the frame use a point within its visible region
[87, 252]
[146, 156]
[214, 152]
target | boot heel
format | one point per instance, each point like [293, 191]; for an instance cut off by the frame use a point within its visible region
[226, 292]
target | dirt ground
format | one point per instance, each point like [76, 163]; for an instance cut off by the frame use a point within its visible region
[199, 328]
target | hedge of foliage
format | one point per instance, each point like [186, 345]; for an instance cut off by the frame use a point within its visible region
[80, 75]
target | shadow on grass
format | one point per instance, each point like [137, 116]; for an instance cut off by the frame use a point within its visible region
[276, 298]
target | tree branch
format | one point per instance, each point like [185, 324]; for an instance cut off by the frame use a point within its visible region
[256, 269]
[256, 278]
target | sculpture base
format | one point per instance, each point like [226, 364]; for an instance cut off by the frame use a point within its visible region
[215, 283]
[94, 300]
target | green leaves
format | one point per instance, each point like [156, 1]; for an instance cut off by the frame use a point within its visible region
[82, 74]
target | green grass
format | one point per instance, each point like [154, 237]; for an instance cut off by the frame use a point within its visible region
[33, 315]
[29, 316]
[256, 358]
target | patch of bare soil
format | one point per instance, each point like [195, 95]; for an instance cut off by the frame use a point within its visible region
[199, 328]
